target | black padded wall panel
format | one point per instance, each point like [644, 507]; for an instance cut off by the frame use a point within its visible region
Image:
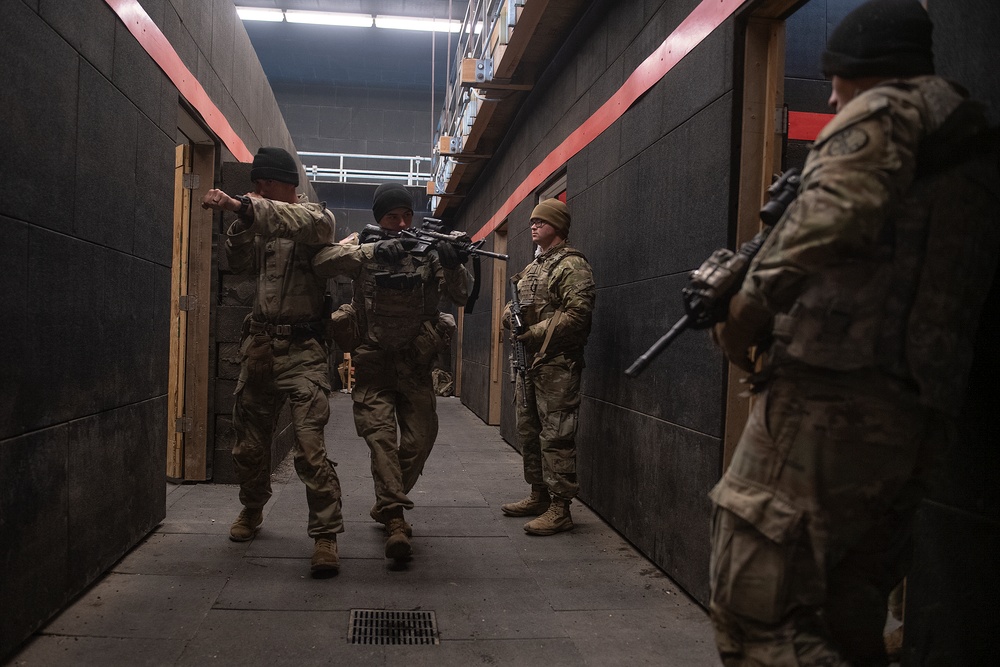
[86, 206]
[36, 567]
[39, 134]
[650, 199]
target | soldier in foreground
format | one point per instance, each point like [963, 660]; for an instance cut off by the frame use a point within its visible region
[283, 350]
[555, 299]
[866, 296]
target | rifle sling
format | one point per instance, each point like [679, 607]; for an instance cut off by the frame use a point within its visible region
[549, 330]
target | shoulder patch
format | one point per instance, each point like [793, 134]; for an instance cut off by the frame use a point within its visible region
[847, 141]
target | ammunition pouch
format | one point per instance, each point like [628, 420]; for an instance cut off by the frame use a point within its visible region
[343, 328]
[397, 281]
[434, 338]
[259, 358]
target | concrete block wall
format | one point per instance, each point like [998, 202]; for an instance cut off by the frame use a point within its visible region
[86, 216]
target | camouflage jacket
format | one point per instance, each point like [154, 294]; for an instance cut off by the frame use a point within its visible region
[558, 280]
[392, 303]
[278, 247]
[884, 260]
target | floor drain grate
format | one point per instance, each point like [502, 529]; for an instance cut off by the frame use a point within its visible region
[389, 626]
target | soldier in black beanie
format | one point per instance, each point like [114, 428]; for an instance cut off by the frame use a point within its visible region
[866, 296]
[885, 38]
[275, 238]
[275, 164]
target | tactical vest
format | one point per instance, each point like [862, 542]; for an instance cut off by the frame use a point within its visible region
[911, 310]
[398, 299]
[537, 302]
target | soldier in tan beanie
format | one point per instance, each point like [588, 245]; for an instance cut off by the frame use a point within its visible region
[556, 292]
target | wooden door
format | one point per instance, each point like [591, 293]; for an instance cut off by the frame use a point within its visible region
[190, 309]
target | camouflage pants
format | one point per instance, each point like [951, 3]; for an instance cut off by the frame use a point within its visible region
[812, 527]
[546, 425]
[300, 376]
[390, 388]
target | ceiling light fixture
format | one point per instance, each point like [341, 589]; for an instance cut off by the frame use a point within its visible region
[415, 23]
[260, 14]
[351, 20]
[329, 18]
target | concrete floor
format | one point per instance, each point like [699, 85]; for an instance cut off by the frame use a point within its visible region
[188, 595]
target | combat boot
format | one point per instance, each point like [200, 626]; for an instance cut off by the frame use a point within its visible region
[555, 520]
[373, 513]
[397, 546]
[246, 524]
[325, 559]
[533, 505]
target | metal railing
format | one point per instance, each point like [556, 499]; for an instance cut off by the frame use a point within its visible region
[462, 103]
[362, 168]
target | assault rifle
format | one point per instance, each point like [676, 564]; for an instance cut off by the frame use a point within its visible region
[518, 355]
[710, 287]
[419, 240]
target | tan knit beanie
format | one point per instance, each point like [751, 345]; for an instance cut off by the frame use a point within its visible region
[553, 212]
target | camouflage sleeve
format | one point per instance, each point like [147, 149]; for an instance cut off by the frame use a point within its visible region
[455, 284]
[341, 259]
[309, 224]
[240, 249]
[572, 282]
[860, 165]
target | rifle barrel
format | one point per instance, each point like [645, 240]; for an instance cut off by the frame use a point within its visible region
[646, 357]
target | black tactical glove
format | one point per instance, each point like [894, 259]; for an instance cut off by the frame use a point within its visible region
[389, 251]
[451, 256]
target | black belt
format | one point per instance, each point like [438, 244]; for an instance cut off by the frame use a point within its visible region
[299, 329]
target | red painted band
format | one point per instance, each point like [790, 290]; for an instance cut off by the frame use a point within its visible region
[805, 126]
[700, 23]
[156, 45]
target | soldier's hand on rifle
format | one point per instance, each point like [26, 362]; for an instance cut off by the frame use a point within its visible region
[747, 324]
[451, 256]
[527, 336]
[389, 251]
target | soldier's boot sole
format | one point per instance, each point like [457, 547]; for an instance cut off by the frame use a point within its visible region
[550, 529]
[397, 547]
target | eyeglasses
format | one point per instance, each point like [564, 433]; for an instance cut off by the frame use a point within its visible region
[538, 223]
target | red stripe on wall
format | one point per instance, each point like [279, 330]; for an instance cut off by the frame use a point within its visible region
[156, 45]
[700, 23]
[805, 126]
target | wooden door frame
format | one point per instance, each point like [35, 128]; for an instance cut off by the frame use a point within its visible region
[190, 313]
[760, 158]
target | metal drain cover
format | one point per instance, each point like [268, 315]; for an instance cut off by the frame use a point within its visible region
[390, 626]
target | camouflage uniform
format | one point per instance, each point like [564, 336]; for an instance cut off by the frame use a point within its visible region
[284, 355]
[557, 290]
[401, 331]
[875, 279]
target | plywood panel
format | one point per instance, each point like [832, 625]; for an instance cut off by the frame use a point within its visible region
[198, 343]
[178, 317]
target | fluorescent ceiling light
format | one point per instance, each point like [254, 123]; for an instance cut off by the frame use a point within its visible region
[414, 23]
[260, 14]
[351, 20]
[329, 18]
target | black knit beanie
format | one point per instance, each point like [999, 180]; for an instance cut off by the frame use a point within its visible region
[881, 38]
[389, 196]
[274, 164]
